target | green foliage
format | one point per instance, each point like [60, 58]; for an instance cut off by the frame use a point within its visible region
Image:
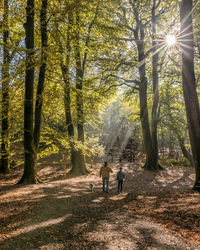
[106, 36]
[174, 162]
[92, 148]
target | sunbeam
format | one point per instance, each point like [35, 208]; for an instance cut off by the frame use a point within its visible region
[161, 46]
[170, 40]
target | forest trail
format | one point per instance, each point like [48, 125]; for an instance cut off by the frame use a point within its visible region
[155, 211]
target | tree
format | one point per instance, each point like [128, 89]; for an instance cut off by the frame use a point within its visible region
[189, 86]
[136, 22]
[29, 175]
[32, 133]
[72, 38]
[41, 80]
[155, 57]
[173, 117]
[4, 164]
[139, 35]
[80, 64]
[65, 68]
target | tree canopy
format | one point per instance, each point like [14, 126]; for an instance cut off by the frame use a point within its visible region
[72, 69]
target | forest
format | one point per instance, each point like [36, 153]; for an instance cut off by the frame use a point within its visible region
[89, 82]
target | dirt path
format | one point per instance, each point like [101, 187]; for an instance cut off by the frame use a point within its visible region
[155, 211]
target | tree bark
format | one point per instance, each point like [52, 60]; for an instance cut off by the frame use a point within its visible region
[75, 154]
[144, 116]
[79, 83]
[176, 131]
[189, 86]
[29, 175]
[154, 113]
[4, 164]
[41, 80]
[79, 101]
[185, 152]
[78, 159]
[151, 162]
[67, 100]
[66, 78]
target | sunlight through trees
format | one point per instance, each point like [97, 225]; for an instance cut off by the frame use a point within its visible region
[66, 63]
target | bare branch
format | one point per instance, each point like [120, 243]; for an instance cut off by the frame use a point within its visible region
[125, 80]
[118, 85]
[88, 37]
[157, 5]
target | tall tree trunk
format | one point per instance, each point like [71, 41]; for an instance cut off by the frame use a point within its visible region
[66, 78]
[75, 158]
[79, 83]
[79, 156]
[144, 116]
[67, 97]
[79, 100]
[80, 159]
[78, 163]
[67, 93]
[80, 69]
[4, 164]
[154, 112]
[41, 80]
[189, 86]
[151, 162]
[29, 175]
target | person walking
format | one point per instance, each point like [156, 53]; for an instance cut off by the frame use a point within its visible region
[105, 174]
[120, 178]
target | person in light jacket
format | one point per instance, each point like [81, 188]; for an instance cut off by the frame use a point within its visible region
[105, 174]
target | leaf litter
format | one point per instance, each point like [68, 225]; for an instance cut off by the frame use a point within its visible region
[155, 210]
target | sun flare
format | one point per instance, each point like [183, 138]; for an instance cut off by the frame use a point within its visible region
[170, 40]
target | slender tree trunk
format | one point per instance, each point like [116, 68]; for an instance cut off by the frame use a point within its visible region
[79, 83]
[41, 80]
[66, 78]
[189, 86]
[80, 69]
[176, 131]
[144, 116]
[75, 154]
[151, 162]
[79, 156]
[154, 113]
[4, 164]
[185, 152]
[29, 175]
[67, 101]
[77, 159]
[80, 117]
[79, 103]
[78, 162]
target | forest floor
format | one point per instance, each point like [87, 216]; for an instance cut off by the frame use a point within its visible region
[155, 210]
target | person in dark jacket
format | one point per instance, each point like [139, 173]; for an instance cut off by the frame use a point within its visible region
[120, 178]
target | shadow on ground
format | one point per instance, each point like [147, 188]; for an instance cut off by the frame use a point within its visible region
[64, 214]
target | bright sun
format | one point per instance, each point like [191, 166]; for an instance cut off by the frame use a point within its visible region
[170, 40]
